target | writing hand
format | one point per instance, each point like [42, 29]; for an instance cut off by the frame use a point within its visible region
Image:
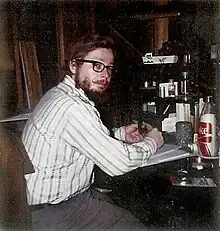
[157, 136]
[132, 134]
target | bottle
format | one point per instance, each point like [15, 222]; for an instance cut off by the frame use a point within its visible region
[185, 72]
[171, 88]
[141, 122]
[154, 81]
[207, 129]
[184, 83]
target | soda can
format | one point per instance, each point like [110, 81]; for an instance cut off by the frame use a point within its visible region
[207, 135]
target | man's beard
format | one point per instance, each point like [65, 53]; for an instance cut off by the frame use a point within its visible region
[99, 98]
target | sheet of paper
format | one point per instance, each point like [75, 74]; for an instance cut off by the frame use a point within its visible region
[169, 152]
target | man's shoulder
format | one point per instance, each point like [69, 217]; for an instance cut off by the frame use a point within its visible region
[58, 96]
[59, 99]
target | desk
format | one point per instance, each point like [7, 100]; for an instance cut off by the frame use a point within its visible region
[151, 197]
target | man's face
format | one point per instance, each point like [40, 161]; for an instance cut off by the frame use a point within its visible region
[91, 75]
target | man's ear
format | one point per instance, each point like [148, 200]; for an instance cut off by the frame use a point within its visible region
[72, 66]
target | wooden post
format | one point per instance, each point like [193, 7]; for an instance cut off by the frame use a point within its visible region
[13, 15]
[161, 29]
[60, 39]
[91, 19]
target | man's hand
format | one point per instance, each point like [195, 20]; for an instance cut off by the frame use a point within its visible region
[157, 136]
[132, 134]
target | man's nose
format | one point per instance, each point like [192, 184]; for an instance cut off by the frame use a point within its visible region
[106, 74]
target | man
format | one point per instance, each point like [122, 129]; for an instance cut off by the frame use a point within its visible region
[65, 138]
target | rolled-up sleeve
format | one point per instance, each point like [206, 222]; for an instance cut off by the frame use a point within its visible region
[119, 133]
[87, 134]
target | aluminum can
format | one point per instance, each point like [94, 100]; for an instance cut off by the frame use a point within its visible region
[207, 135]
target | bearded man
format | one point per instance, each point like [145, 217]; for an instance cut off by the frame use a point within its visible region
[65, 138]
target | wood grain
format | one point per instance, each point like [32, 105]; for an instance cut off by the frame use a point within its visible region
[31, 72]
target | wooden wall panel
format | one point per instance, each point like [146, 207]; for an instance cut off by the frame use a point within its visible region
[161, 30]
[74, 19]
[60, 38]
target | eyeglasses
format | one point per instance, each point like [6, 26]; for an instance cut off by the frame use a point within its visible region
[98, 66]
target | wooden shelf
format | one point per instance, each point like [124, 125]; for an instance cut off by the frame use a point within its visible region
[153, 16]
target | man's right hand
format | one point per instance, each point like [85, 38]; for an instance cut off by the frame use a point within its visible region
[157, 136]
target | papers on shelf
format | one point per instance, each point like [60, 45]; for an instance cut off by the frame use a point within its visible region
[169, 152]
[19, 117]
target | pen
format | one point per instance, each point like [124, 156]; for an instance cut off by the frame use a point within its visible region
[143, 127]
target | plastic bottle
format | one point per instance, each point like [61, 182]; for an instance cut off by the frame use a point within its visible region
[207, 129]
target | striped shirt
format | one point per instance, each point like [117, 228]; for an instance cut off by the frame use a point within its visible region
[65, 137]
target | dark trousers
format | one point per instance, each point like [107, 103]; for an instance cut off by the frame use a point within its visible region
[90, 210]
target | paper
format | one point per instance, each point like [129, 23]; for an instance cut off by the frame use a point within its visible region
[169, 152]
[19, 117]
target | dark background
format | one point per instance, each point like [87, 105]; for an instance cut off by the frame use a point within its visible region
[192, 31]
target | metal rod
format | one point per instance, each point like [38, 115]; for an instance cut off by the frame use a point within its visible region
[116, 32]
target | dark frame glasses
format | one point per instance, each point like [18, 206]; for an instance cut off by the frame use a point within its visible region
[98, 66]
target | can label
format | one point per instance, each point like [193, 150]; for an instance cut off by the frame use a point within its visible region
[207, 135]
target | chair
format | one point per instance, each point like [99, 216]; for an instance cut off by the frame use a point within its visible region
[13, 201]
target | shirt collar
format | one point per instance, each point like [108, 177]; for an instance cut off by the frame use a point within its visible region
[77, 91]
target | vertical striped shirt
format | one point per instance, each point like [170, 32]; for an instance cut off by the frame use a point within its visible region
[64, 137]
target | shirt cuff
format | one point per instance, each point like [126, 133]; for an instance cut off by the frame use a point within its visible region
[119, 133]
[153, 150]
[152, 143]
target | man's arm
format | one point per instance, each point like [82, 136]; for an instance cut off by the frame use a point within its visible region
[91, 137]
